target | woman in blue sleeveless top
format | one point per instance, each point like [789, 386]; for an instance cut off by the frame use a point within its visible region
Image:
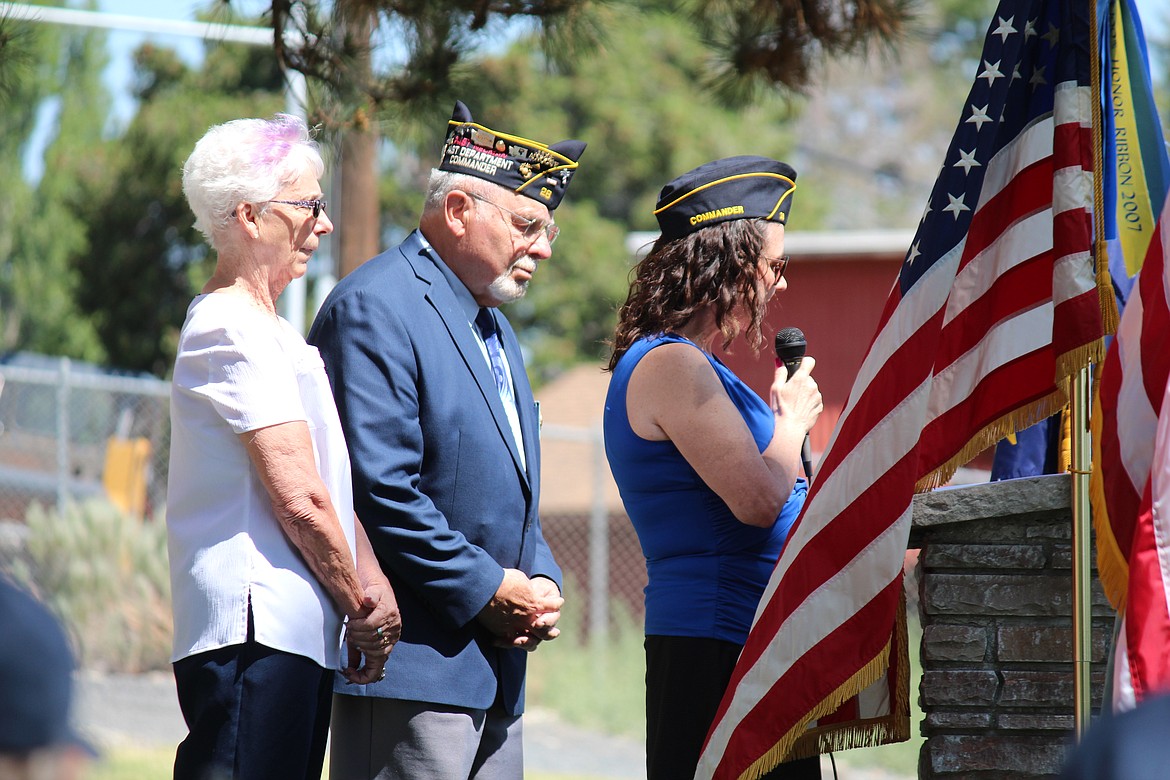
[708, 471]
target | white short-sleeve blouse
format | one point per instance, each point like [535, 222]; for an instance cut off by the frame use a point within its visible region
[239, 369]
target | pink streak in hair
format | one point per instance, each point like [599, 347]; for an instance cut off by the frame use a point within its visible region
[279, 137]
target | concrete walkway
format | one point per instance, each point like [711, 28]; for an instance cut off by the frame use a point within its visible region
[142, 711]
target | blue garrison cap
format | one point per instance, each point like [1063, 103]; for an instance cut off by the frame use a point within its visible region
[540, 171]
[744, 187]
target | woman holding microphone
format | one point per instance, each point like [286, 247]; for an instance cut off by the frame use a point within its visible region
[709, 472]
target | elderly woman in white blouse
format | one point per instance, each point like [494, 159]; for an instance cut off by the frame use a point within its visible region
[267, 562]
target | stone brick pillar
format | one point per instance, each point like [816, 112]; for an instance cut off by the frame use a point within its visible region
[995, 587]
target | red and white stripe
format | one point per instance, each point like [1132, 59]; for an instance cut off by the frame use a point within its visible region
[1132, 476]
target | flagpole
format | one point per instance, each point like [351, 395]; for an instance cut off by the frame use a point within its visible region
[1082, 622]
[1080, 410]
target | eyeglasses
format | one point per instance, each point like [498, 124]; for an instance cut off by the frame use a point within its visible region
[777, 264]
[316, 206]
[532, 226]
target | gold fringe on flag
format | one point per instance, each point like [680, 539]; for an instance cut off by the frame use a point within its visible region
[803, 741]
[1015, 420]
[1067, 365]
[1070, 363]
[1109, 316]
[1108, 304]
[1064, 457]
[1112, 565]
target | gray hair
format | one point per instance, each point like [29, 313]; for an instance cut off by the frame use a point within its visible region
[245, 161]
[441, 183]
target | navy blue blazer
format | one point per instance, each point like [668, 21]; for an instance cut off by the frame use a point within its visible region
[438, 482]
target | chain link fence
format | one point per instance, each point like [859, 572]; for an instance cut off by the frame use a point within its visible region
[603, 566]
[71, 432]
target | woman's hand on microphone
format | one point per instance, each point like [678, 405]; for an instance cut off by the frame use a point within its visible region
[796, 400]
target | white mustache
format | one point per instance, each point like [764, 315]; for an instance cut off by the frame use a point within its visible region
[526, 264]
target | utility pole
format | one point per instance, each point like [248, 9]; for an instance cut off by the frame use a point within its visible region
[357, 222]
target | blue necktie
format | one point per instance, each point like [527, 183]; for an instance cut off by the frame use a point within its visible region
[486, 322]
[491, 339]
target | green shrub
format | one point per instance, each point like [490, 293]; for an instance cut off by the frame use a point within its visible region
[105, 574]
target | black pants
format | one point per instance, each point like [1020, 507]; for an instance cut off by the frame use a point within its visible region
[685, 681]
[253, 713]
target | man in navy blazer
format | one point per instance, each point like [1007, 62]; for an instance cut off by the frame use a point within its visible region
[443, 434]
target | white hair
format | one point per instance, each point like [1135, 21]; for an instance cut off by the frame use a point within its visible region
[245, 161]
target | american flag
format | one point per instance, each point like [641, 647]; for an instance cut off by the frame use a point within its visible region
[1129, 491]
[995, 307]
[1131, 464]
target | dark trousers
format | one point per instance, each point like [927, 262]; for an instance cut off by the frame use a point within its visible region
[685, 681]
[253, 713]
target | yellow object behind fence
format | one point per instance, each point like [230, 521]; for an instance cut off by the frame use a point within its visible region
[126, 473]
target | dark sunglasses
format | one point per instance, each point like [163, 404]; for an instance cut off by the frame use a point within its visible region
[316, 206]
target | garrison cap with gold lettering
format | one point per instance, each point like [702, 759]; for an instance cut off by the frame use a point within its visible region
[540, 171]
[744, 187]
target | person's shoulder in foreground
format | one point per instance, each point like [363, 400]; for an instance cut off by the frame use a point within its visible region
[1133, 745]
[36, 692]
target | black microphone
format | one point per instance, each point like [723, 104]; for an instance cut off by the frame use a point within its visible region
[790, 346]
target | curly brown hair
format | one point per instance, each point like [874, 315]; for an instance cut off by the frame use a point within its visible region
[715, 266]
